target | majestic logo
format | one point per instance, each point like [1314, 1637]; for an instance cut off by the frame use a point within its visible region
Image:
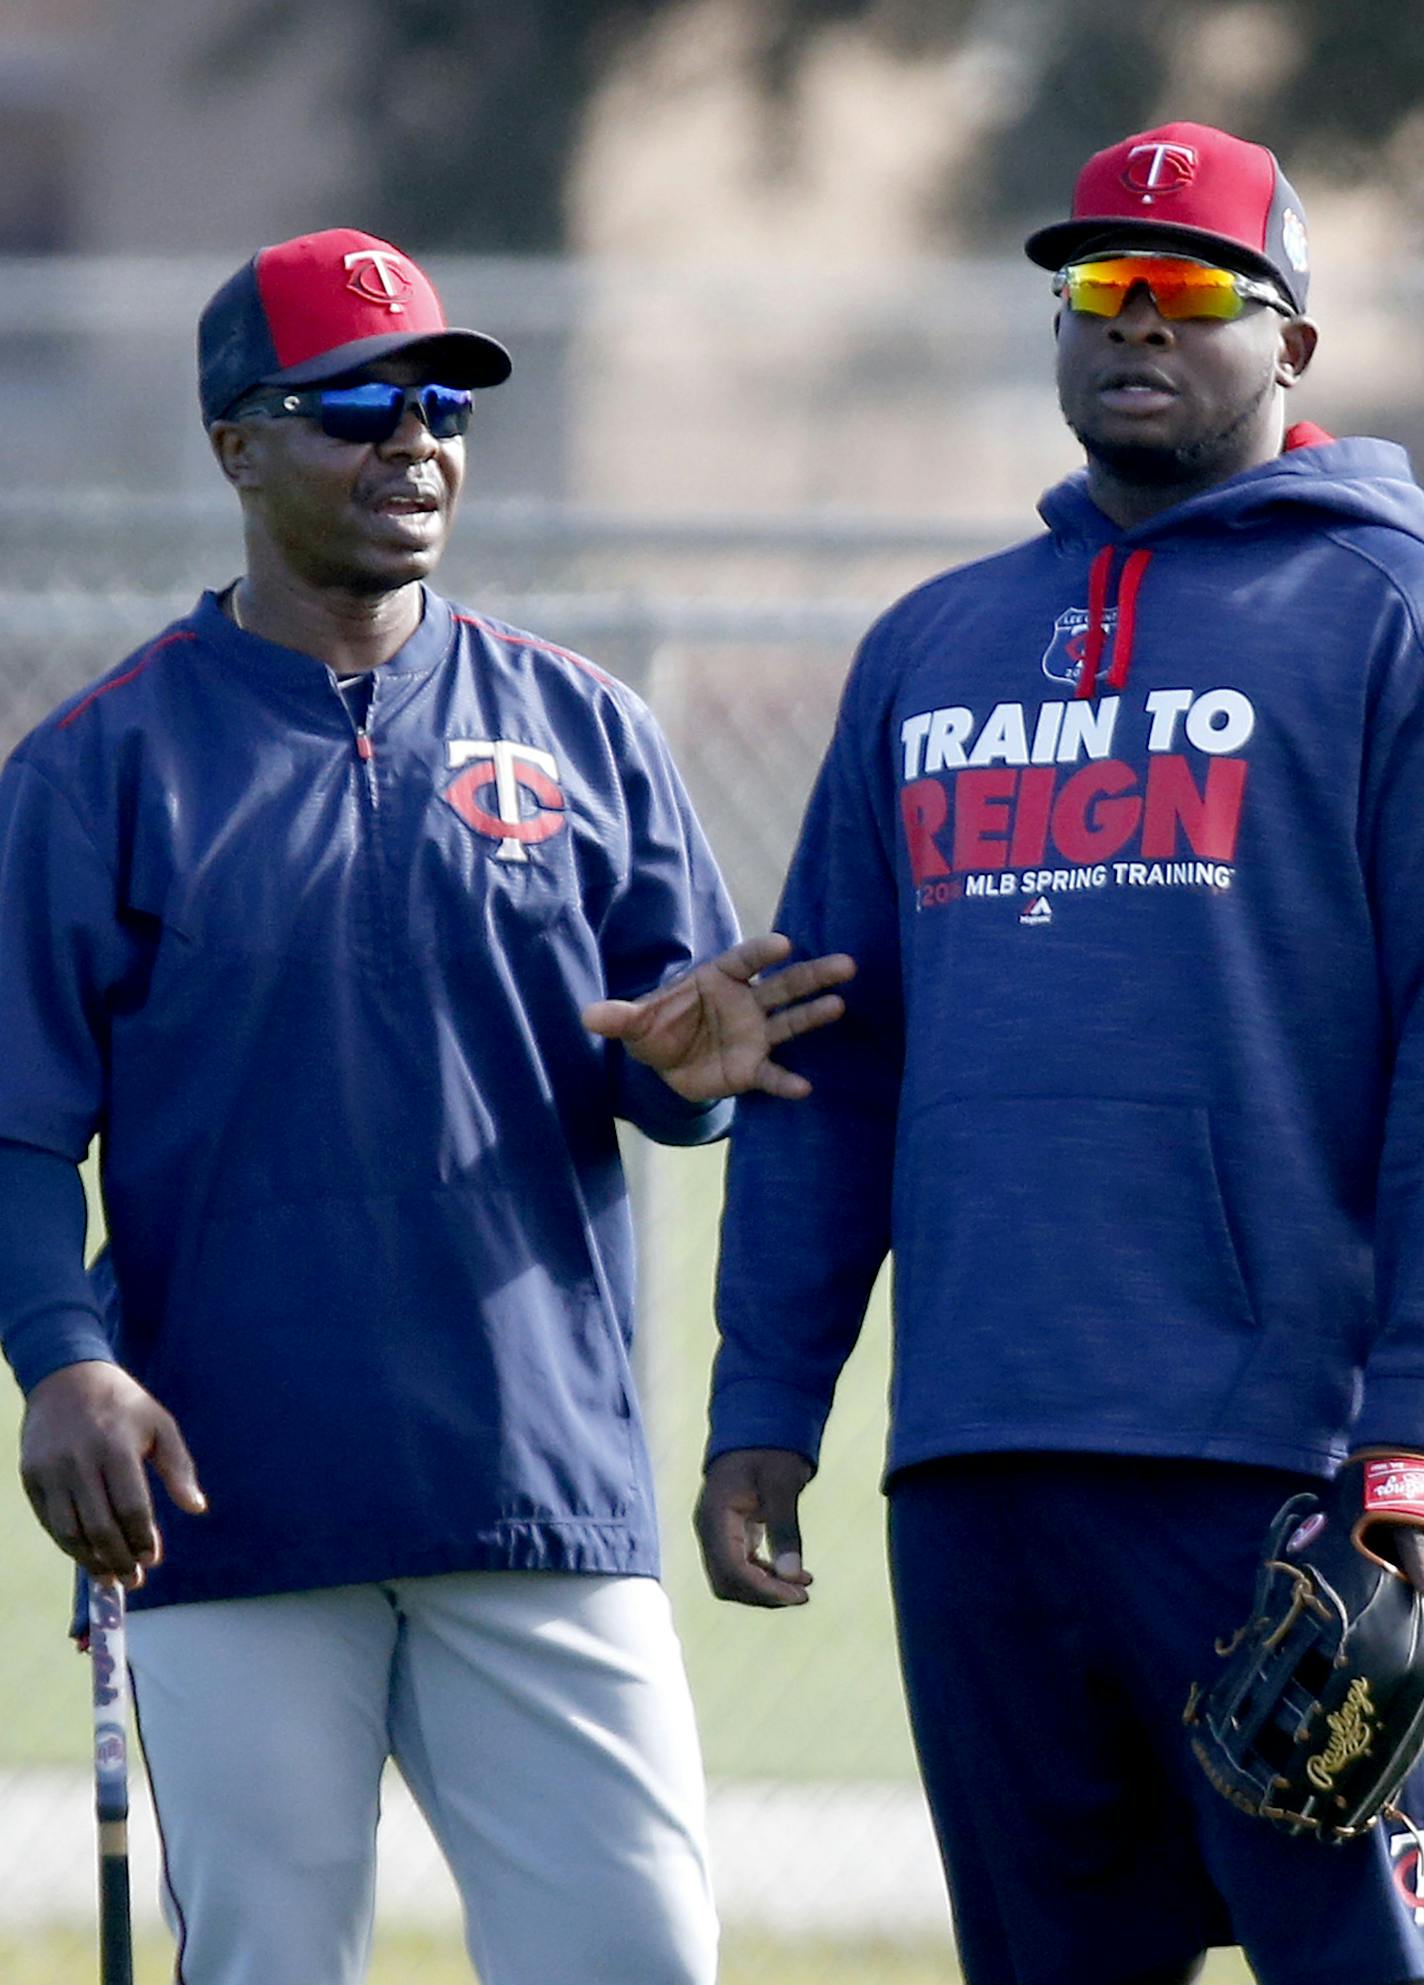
[529, 805]
[379, 276]
[1039, 911]
[1063, 657]
[1152, 170]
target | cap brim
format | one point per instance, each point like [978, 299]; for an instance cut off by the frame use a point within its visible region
[1066, 241]
[462, 358]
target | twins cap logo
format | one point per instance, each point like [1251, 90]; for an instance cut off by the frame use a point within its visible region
[1294, 240]
[1158, 168]
[529, 803]
[378, 276]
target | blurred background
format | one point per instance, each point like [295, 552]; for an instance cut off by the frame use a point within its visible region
[778, 356]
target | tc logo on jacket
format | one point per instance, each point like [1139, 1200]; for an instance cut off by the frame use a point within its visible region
[520, 777]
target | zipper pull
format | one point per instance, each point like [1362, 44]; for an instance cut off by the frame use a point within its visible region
[363, 745]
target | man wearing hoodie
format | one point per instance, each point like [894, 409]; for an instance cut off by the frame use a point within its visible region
[1125, 829]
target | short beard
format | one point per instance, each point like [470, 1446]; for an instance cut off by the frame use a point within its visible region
[1207, 460]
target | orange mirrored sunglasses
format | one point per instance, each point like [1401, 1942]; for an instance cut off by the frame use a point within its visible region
[1179, 288]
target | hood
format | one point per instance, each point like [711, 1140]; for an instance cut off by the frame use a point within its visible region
[1360, 481]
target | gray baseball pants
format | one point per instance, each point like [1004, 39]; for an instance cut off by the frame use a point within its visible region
[541, 1719]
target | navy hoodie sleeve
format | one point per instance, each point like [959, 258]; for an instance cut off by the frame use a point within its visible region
[671, 912]
[1393, 850]
[807, 1219]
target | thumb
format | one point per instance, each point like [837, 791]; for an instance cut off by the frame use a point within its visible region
[780, 1500]
[612, 1018]
[175, 1466]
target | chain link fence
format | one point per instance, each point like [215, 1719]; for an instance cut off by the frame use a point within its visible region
[710, 485]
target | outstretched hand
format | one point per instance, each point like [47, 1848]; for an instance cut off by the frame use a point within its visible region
[710, 1032]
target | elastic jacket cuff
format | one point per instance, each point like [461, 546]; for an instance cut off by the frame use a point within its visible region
[643, 1099]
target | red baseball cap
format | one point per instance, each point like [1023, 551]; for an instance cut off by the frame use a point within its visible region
[1192, 188]
[324, 304]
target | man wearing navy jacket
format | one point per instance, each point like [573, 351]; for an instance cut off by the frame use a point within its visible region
[1125, 831]
[350, 921]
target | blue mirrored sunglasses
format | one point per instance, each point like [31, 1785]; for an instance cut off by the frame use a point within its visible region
[368, 413]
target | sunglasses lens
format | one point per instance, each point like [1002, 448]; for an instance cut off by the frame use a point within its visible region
[446, 409]
[371, 413]
[365, 414]
[1180, 290]
[1091, 289]
[1184, 290]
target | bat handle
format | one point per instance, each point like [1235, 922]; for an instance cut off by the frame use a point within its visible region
[108, 1656]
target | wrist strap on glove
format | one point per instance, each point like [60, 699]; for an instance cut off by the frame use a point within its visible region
[1391, 1490]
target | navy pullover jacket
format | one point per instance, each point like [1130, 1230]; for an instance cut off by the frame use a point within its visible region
[317, 989]
[1126, 830]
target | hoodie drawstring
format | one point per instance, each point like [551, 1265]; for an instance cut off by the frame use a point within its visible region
[1099, 579]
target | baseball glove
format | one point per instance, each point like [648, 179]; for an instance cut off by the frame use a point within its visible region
[1318, 1715]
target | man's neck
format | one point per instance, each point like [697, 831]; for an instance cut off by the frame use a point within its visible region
[349, 631]
[1130, 500]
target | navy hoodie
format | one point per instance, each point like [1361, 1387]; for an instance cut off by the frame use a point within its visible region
[1126, 830]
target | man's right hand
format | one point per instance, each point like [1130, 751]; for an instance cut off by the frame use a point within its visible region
[747, 1526]
[90, 1432]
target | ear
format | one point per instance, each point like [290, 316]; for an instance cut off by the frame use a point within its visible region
[1297, 348]
[237, 447]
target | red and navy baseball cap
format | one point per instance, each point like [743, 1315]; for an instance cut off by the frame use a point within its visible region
[326, 304]
[1189, 188]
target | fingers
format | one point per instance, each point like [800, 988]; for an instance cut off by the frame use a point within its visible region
[802, 1019]
[175, 1467]
[89, 1432]
[747, 1527]
[97, 1509]
[800, 981]
[753, 955]
[774, 1080]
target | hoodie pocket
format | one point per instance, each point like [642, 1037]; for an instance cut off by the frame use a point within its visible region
[1067, 1259]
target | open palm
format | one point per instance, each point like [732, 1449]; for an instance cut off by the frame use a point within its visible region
[711, 1032]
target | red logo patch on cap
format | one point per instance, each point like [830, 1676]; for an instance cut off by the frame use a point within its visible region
[380, 276]
[1157, 168]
